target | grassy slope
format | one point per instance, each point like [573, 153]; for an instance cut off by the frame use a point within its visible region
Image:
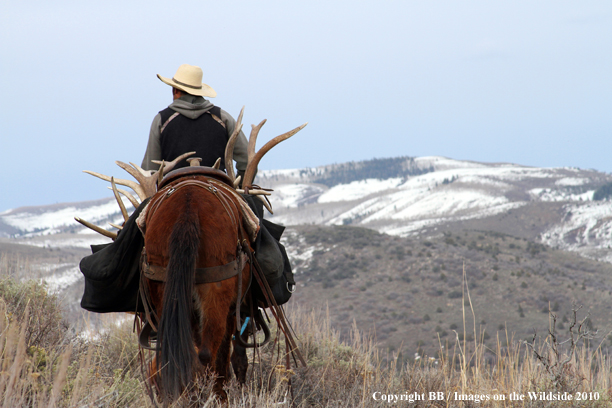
[61, 368]
[408, 291]
[396, 284]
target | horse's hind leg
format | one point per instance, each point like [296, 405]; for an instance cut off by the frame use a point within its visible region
[217, 328]
[222, 362]
[240, 362]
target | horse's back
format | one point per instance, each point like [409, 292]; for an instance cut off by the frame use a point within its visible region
[216, 219]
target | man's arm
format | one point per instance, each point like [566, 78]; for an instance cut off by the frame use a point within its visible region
[153, 147]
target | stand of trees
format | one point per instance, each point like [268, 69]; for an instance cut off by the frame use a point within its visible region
[603, 193]
[372, 169]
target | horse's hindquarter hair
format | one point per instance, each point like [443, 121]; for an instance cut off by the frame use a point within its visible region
[192, 228]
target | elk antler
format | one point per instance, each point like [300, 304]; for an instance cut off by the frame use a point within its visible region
[128, 183]
[265, 203]
[253, 138]
[121, 205]
[148, 183]
[170, 165]
[254, 158]
[229, 148]
[160, 172]
[254, 191]
[99, 230]
[130, 197]
[145, 187]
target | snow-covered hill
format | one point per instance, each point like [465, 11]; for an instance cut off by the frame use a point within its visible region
[55, 226]
[445, 192]
[401, 196]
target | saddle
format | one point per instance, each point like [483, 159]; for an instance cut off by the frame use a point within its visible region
[215, 177]
[195, 171]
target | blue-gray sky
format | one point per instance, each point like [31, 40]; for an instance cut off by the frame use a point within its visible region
[528, 82]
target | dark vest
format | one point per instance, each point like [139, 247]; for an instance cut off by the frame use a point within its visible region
[204, 135]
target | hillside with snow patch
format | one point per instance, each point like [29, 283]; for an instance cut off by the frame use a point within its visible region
[399, 196]
[436, 193]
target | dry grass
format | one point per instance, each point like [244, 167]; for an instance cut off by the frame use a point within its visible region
[103, 369]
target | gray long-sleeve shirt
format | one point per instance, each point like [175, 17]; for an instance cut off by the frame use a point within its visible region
[192, 107]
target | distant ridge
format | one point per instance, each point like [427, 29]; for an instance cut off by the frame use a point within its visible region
[380, 169]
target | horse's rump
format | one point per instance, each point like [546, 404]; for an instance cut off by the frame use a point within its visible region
[193, 224]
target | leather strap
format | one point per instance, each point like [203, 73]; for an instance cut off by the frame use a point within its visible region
[210, 274]
[145, 336]
[168, 121]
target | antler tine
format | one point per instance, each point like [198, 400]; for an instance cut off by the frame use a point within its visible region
[229, 148]
[253, 139]
[132, 170]
[142, 171]
[121, 205]
[160, 172]
[128, 183]
[170, 165]
[249, 174]
[217, 164]
[254, 191]
[265, 203]
[146, 182]
[96, 228]
[237, 182]
[130, 197]
[239, 121]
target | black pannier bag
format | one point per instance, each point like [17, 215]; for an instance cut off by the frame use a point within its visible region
[285, 286]
[112, 272]
[272, 257]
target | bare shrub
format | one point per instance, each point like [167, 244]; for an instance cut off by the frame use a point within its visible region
[44, 326]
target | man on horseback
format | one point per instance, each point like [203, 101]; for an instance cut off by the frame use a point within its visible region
[192, 123]
[192, 237]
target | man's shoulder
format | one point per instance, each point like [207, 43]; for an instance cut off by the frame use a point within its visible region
[215, 110]
[166, 113]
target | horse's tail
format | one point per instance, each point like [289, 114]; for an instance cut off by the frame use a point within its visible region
[176, 355]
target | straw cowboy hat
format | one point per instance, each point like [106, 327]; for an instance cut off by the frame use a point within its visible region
[188, 78]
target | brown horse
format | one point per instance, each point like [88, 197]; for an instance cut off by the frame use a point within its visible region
[194, 224]
[194, 228]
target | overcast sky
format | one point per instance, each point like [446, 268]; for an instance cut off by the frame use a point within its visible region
[528, 82]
